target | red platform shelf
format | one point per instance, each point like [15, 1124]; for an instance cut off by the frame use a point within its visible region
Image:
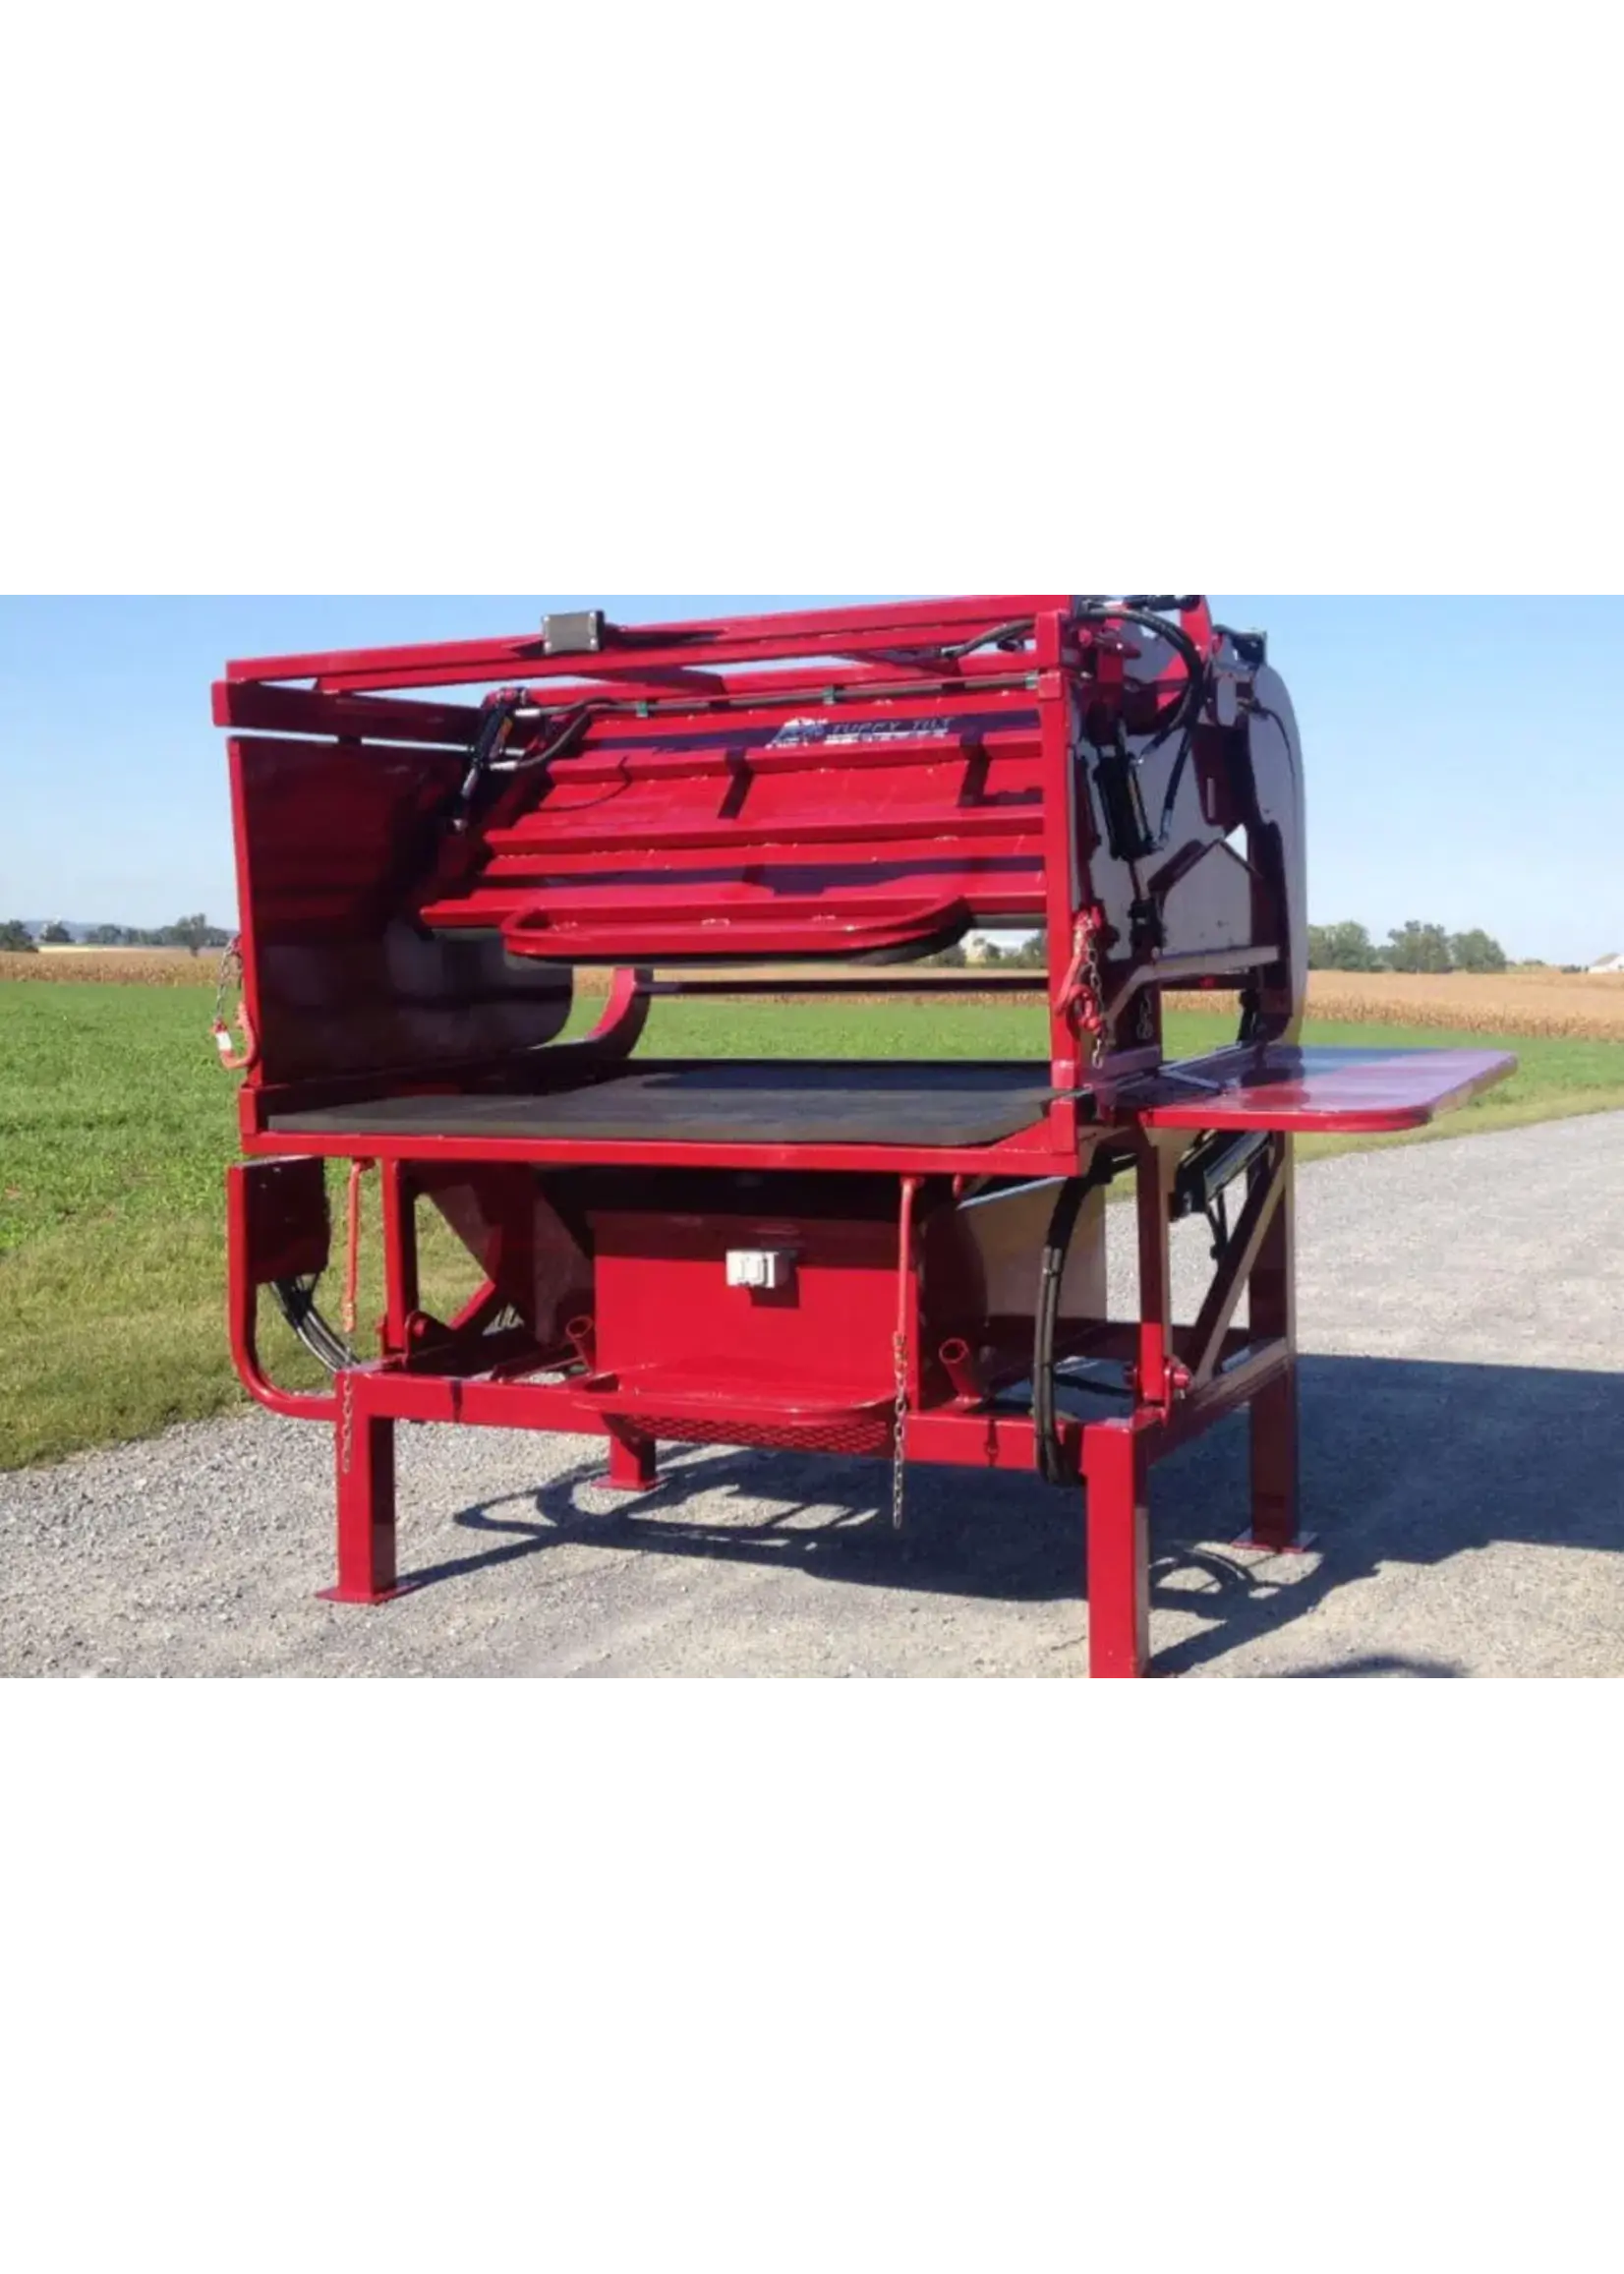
[1321, 1092]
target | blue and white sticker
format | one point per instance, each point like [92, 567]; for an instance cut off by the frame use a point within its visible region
[846, 734]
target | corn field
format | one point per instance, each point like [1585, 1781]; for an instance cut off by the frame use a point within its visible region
[1551, 1004]
[1533, 1003]
[116, 967]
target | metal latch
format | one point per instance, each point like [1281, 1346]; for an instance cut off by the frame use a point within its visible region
[580, 634]
[764, 1270]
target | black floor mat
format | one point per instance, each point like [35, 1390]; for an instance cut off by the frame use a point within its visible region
[780, 1102]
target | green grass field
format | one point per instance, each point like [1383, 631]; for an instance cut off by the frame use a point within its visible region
[116, 1125]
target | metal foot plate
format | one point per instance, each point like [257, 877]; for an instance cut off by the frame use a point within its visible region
[354, 1597]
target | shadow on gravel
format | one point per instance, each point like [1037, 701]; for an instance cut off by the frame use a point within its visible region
[1403, 1462]
[1374, 1667]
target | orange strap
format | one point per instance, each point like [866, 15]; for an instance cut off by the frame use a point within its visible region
[237, 1061]
[352, 1246]
[234, 1060]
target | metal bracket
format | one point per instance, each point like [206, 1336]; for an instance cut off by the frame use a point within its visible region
[579, 634]
[1234, 1267]
[1252, 648]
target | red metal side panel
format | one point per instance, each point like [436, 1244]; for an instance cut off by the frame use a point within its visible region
[332, 840]
[778, 832]
[820, 1346]
[1329, 1092]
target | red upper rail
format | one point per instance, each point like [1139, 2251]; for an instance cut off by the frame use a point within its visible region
[674, 648]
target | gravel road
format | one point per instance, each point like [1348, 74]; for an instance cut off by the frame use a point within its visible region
[1463, 1315]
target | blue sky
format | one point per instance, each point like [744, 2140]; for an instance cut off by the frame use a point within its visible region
[1465, 757]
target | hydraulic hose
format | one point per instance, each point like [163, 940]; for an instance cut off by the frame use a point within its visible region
[1056, 1253]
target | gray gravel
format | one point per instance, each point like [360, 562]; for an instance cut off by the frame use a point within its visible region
[1463, 1311]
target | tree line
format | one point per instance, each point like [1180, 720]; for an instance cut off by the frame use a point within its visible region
[1349, 947]
[1415, 948]
[1031, 956]
[193, 933]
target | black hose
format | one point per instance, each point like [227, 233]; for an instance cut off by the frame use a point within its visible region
[558, 745]
[1006, 636]
[498, 723]
[1185, 709]
[1056, 1253]
[296, 1300]
[1185, 713]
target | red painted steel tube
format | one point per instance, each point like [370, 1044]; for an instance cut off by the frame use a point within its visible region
[365, 1446]
[1117, 1473]
[1276, 1521]
[1156, 1381]
[401, 1253]
[633, 1466]
[467, 661]
[958, 1364]
[1028, 1160]
[242, 1311]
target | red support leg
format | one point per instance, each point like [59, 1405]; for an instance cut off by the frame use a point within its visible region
[1158, 1169]
[400, 1257]
[1117, 1475]
[632, 1464]
[365, 1503]
[1276, 1522]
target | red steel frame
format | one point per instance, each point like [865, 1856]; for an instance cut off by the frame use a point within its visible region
[346, 718]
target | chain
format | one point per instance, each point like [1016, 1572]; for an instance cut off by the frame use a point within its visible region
[1093, 982]
[1083, 994]
[899, 1465]
[231, 970]
[359, 1171]
[900, 1353]
[231, 967]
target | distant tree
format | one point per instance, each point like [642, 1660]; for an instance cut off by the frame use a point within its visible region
[948, 960]
[105, 936]
[56, 935]
[1342, 948]
[191, 932]
[1032, 955]
[1419, 948]
[1477, 952]
[15, 939]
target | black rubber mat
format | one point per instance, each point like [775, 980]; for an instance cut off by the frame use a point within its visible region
[746, 1102]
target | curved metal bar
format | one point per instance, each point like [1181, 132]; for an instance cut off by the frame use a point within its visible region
[242, 1308]
[624, 1021]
